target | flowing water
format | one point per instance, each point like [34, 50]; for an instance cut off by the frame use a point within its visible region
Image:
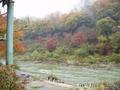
[70, 74]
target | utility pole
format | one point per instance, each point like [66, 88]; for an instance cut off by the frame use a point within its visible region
[9, 42]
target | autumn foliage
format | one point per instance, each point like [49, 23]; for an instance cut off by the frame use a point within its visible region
[18, 36]
[51, 44]
[2, 23]
[78, 38]
[2, 48]
[19, 47]
[2, 31]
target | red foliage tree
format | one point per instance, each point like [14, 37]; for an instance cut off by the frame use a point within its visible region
[51, 44]
[78, 38]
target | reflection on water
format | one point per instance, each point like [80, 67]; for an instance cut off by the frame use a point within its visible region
[71, 74]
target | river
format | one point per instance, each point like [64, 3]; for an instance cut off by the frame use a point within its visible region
[70, 74]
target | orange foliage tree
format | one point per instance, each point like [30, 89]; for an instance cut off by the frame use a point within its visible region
[18, 37]
[19, 47]
[2, 23]
[2, 49]
[2, 32]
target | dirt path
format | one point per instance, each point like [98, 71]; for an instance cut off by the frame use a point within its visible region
[47, 85]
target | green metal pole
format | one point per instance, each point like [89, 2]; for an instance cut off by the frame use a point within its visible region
[10, 18]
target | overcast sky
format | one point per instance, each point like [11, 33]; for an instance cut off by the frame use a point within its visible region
[41, 8]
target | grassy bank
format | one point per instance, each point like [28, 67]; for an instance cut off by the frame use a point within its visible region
[75, 56]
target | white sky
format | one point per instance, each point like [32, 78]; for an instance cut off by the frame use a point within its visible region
[41, 8]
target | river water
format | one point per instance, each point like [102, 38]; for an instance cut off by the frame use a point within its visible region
[70, 74]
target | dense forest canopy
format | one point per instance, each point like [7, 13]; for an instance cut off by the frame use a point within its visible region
[91, 31]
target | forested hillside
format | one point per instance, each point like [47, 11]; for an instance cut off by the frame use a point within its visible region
[90, 35]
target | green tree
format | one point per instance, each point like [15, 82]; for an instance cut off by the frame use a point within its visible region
[104, 26]
[116, 42]
[112, 10]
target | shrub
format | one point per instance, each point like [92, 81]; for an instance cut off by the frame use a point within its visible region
[48, 54]
[56, 55]
[83, 52]
[35, 55]
[106, 59]
[102, 39]
[42, 56]
[113, 86]
[115, 58]
[116, 85]
[104, 48]
[26, 56]
[70, 57]
[64, 50]
[91, 59]
[9, 80]
[38, 47]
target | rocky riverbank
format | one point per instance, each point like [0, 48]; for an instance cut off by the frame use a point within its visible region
[32, 83]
